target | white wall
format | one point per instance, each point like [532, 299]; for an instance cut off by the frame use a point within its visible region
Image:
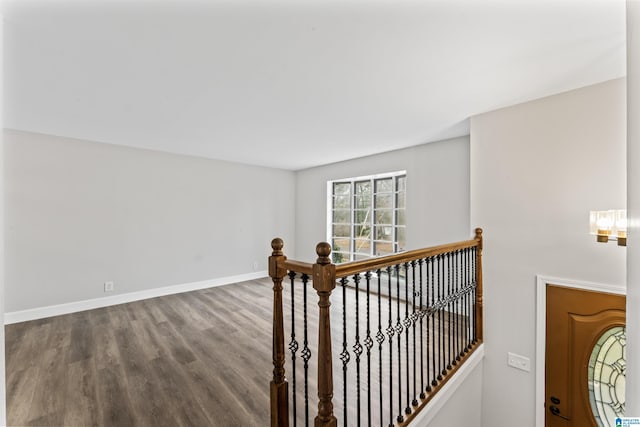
[464, 408]
[81, 213]
[633, 206]
[537, 169]
[437, 194]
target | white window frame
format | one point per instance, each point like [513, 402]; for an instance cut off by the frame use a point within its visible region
[372, 237]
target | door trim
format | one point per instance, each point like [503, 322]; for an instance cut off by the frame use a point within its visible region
[541, 325]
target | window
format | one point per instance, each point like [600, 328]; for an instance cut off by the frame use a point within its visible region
[366, 216]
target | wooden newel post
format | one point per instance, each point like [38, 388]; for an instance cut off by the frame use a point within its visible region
[324, 281]
[479, 296]
[279, 385]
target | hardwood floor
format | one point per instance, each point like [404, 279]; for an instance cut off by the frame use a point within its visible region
[201, 358]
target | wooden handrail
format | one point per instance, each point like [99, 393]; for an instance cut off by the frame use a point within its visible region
[350, 268]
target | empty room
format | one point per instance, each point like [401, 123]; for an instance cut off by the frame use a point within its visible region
[254, 213]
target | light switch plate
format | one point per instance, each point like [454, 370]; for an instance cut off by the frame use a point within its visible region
[519, 362]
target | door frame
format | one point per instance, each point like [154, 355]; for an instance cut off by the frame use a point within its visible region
[541, 326]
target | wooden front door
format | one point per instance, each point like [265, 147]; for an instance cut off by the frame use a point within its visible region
[577, 322]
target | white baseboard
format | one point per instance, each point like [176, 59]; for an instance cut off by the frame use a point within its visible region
[72, 307]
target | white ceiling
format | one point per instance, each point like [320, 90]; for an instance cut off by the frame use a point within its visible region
[298, 83]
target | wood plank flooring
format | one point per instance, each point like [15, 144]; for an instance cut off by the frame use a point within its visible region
[201, 358]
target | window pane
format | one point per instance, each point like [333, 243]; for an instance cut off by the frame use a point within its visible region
[343, 202]
[384, 233]
[384, 201]
[400, 200]
[342, 216]
[401, 183]
[342, 188]
[363, 202]
[384, 248]
[363, 246]
[342, 230]
[363, 231]
[363, 187]
[401, 238]
[384, 185]
[363, 217]
[384, 217]
[340, 244]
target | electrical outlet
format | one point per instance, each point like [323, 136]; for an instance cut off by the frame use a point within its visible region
[108, 286]
[519, 362]
[255, 265]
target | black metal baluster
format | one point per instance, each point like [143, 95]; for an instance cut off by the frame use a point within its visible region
[463, 269]
[428, 322]
[474, 294]
[306, 352]
[390, 333]
[456, 301]
[414, 402]
[434, 343]
[368, 342]
[380, 340]
[357, 347]
[344, 355]
[443, 342]
[449, 323]
[469, 300]
[293, 347]
[422, 314]
[399, 329]
[441, 338]
[459, 306]
[406, 323]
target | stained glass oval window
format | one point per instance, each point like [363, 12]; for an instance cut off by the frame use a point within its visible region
[607, 368]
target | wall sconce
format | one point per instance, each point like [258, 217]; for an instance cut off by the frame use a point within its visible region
[609, 225]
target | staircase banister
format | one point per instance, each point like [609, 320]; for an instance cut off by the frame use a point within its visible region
[354, 267]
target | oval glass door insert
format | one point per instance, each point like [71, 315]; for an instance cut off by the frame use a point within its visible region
[607, 368]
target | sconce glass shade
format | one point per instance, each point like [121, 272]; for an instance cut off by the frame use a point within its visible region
[611, 224]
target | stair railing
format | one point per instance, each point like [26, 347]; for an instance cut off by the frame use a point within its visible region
[423, 309]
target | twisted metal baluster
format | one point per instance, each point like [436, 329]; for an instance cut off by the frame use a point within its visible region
[467, 306]
[344, 355]
[390, 333]
[406, 323]
[441, 337]
[434, 343]
[368, 342]
[474, 260]
[399, 329]
[422, 313]
[458, 304]
[306, 352]
[357, 347]
[454, 302]
[414, 402]
[449, 332]
[380, 340]
[293, 347]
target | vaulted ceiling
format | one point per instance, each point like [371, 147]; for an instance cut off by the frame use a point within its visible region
[293, 83]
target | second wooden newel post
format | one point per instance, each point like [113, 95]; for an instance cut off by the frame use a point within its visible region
[324, 282]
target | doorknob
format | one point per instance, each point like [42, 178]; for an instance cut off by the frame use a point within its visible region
[556, 411]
